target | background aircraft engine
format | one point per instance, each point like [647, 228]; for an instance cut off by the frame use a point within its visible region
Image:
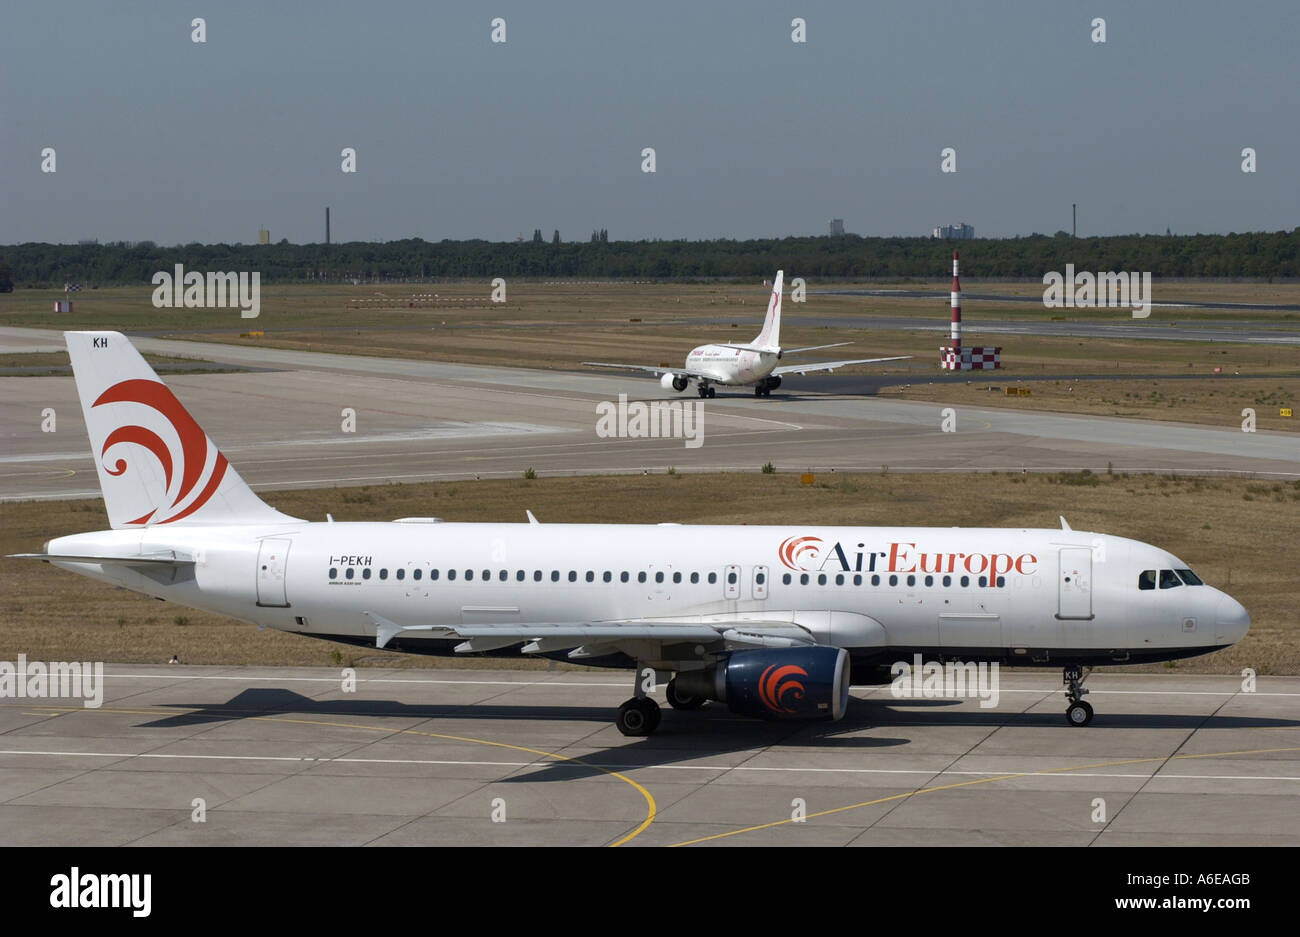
[776, 683]
[672, 381]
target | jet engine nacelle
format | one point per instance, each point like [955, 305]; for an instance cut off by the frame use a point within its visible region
[672, 381]
[776, 683]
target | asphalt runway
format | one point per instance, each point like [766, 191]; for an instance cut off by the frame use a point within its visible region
[451, 757]
[281, 426]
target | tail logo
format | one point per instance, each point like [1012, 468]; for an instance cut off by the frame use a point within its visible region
[191, 458]
[777, 682]
[795, 550]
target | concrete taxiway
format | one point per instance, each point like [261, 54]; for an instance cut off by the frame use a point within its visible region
[282, 426]
[261, 756]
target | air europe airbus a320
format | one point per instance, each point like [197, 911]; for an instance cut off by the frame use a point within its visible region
[770, 620]
[732, 365]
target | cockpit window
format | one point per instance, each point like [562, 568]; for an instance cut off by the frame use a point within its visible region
[1189, 577]
[1168, 580]
[1147, 579]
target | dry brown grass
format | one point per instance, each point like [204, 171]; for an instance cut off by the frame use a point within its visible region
[1238, 534]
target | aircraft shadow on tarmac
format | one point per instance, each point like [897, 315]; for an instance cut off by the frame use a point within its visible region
[690, 736]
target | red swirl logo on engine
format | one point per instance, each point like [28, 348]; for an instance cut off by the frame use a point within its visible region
[794, 550]
[777, 683]
[191, 459]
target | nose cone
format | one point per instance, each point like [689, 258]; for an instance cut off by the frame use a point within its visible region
[1231, 620]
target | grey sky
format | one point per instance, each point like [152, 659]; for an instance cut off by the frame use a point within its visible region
[756, 136]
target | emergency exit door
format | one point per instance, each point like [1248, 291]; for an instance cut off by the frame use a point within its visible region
[1074, 583]
[272, 561]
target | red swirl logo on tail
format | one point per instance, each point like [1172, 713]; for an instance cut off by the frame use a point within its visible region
[794, 550]
[777, 683]
[193, 454]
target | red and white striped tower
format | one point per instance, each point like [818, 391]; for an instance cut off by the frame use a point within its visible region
[955, 327]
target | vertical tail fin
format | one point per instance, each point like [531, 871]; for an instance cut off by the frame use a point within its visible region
[770, 337]
[155, 464]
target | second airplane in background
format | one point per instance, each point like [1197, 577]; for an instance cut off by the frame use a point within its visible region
[739, 365]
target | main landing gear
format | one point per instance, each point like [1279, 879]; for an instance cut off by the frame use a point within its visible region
[707, 391]
[640, 715]
[1078, 713]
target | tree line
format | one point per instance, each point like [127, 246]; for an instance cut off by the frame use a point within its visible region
[1255, 255]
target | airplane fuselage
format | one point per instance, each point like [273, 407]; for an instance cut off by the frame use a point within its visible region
[1028, 596]
[731, 366]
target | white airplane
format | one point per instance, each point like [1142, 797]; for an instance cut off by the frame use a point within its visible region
[772, 620]
[741, 365]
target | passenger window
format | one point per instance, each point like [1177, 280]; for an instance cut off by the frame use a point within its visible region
[893, 580]
[1002, 581]
[947, 580]
[875, 580]
[555, 575]
[519, 576]
[821, 579]
[803, 579]
[334, 572]
[983, 582]
[487, 575]
[1168, 580]
[401, 574]
[537, 575]
[433, 574]
[591, 577]
[677, 577]
[383, 573]
[731, 578]
[659, 577]
[503, 575]
[695, 577]
[784, 579]
[608, 577]
[573, 576]
[857, 579]
[348, 573]
[911, 580]
[640, 577]
[365, 573]
[713, 578]
[623, 577]
[415, 574]
[839, 579]
[760, 578]
[965, 581]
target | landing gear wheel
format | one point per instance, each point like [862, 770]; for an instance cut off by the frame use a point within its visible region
[703, 390]
[638, 717]
[713, 392]
[1079, 714]
[683, 702]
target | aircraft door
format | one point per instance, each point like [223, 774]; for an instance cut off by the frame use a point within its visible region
[758, 582]
[731, 582]
[272, 562]
[1074, 583]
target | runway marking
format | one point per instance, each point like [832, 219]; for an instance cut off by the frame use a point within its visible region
[644, 767]
[986, 780]
[640, 828]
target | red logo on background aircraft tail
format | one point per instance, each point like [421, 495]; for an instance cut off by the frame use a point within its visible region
[190, 460]
[777, 682]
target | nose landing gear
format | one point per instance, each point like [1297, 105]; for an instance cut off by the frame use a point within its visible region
[1078, 713]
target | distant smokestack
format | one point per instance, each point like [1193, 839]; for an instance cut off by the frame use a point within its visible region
[327, 224]
[1074, 219]
[955, 327]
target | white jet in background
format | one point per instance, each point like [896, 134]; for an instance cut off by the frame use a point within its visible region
[741, 365]
[775, 621]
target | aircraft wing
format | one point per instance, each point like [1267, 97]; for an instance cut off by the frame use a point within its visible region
[687, 372]
[829, 365]
[795, 351]
[595, 638]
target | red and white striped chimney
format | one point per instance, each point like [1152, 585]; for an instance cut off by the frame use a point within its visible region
[955, 327]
